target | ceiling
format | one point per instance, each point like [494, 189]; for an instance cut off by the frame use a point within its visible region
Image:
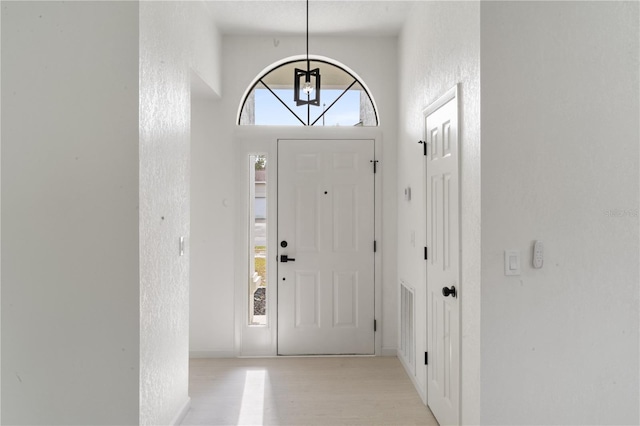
[288, 17]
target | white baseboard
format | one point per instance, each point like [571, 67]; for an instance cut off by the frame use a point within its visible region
[212, 354]
[407, 368]
[231, 354]
[413, 379]
[177, 420]
[388, 352]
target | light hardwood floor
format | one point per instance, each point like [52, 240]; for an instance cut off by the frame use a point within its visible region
[303, 391]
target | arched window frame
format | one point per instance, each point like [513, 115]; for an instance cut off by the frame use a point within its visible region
[316, 58]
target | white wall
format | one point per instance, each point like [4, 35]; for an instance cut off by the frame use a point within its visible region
[177, 40]
[212, 280]
[212, 218]
[440, 47]
[70, 295]
[560, 132]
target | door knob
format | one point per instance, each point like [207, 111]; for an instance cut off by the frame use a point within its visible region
[449, 291]
[284, 258]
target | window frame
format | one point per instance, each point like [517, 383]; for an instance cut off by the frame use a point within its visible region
[313, 58]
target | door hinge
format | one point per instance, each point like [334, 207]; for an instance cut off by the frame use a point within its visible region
[426, 358]
[375, 165]
[375, 325]
[424, 147]
[375, 246]
[426, 253]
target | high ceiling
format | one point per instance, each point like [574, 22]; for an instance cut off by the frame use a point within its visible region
[287, 17]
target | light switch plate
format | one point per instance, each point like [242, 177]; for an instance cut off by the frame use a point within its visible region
[512, 262]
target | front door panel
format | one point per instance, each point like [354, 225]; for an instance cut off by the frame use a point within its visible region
[326, 232]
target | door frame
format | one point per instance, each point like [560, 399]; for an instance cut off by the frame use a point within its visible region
[453, 94]
[261, 341]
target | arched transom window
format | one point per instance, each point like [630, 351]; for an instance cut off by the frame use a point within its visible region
[344, 98]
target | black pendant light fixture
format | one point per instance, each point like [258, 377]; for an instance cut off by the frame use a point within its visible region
[306, 84]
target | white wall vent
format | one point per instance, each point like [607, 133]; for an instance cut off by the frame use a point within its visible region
[407, 329]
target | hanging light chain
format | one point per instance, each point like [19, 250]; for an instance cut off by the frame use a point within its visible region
[308, 63]
[306, 83]
[307, 87]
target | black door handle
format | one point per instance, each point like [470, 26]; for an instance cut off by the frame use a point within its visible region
[284, 258]
[449, 291]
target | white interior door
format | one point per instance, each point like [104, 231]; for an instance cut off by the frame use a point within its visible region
[325, 223]
[443, 343]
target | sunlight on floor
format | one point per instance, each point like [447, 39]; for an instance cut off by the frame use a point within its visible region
[354, 391]
[252, 406]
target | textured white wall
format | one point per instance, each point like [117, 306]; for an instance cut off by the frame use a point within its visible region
[70, 295]
[440, 47]
[560, 132]
[176, 38]
[212, 280]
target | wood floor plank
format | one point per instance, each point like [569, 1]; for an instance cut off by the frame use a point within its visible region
[303, 391]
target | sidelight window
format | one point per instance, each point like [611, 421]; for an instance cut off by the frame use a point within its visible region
[258, 239]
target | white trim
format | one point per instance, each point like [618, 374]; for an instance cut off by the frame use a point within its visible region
[308, 356]
[412, 377]
[212, 354]
[446, 97]
[378, 236]
[252, 139]
[177, 420]
[254, 340]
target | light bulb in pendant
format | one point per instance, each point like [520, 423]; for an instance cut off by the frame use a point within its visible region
[307, 88]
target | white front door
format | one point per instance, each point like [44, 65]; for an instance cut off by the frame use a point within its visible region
[443, 287]
[326, 230]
